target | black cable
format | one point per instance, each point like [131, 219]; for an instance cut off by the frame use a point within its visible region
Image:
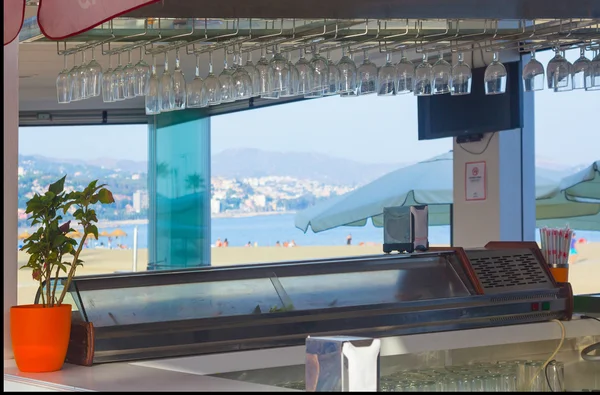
[484, 149]
[546, 374]
[548, 379]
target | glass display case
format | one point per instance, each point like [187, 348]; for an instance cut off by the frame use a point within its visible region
[217, 309]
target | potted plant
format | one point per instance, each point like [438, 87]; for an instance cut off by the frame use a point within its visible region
[40, 332]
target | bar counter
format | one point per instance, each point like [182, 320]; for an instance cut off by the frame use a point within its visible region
[193, 373]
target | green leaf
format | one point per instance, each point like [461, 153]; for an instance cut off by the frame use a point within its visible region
[59, 240]
[58, 186]
[105, 196]
[92, 229]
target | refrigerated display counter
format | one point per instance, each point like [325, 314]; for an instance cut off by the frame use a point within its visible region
[139, 316]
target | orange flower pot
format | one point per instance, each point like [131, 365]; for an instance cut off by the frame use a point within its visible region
[40, 336]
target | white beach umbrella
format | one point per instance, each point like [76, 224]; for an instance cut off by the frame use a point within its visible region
[559, 196]
[428, 182]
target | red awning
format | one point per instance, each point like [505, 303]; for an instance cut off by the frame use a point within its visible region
[60, 19]
[14, 12]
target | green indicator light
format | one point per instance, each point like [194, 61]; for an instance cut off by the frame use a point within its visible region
[545, 306]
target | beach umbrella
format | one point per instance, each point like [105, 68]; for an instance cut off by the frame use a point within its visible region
[103, 234]
[584, 185]
[559, 195]
[23, 235]
[427, 182]
[75, 234]
[118, 233]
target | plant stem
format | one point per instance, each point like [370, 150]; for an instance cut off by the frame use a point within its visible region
[56, 280]
[42, 291]
[73, 268]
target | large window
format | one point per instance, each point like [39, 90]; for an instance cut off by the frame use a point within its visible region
[567, 138]
[114, 155]
[270, 164]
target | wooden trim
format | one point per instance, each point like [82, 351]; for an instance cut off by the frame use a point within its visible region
[382, 9]
[81, 344]
[567, 291]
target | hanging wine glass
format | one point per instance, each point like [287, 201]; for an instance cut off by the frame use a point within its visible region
[84, 78]
[442, 72]
[95, 76]
[253, 73]
[294, 77]
[347, 69]
[118, 79]
[63, 84]
[179, 93]
[495, 77]
[212, 85]
[334, 76]
[460, 81]
[107, 83]
[367, 76]
[305, 75]
[142, 71]
[226, 80]
[265, 77]
[568, 71]
[582, 71]
[533, 75]
[320, 74]
[558, 72]
[405, 75]
[195, 90]
[153, 95]
[281, 73]
[423, 78]
[167, 99]
[387, 77]
[76, 82]
[595, 74]
[241, 79]
[130, 78]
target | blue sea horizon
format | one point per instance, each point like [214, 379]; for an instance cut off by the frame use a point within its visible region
[266, 230]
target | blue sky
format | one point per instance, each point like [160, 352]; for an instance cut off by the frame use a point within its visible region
[368, 129]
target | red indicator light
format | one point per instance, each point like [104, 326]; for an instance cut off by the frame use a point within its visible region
[535, 307]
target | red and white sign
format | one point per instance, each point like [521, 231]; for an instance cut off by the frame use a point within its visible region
[14, 12]
[59, 19]
[475, 181]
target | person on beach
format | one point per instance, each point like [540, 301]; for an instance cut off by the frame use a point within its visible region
[249, 244]
[218, 243]
[292, 243]
[277, 244]
[225, 243]
[349, 239]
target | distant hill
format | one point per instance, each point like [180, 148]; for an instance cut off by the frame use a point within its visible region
[246, 162]
[126, 165]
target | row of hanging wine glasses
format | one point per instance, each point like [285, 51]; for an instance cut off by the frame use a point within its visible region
[88, 80]
[320, 76]
[561, 75]
[317, 77]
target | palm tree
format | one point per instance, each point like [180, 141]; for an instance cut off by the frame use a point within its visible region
[162, 169]
[194, 182]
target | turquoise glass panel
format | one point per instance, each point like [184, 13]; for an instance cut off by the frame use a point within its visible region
[179, 186]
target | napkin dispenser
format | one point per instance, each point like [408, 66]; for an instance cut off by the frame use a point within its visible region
[342, 364]
[405, 229]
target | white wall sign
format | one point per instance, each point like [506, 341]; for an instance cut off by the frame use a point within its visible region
[475, 181]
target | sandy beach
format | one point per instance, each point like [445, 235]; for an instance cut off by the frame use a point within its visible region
[584, 274]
